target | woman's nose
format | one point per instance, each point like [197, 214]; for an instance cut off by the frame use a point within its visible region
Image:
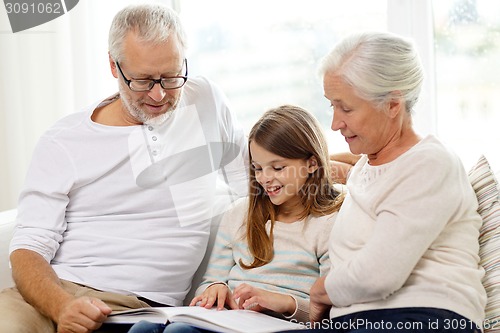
[337, 121]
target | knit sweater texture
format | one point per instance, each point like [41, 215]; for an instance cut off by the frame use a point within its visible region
[300, 257]
[407, 236]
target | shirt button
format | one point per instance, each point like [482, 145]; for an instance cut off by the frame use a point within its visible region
[154, 138]
[150, 128]
[155, 152]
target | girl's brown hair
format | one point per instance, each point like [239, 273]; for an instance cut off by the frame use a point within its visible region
[290, 132]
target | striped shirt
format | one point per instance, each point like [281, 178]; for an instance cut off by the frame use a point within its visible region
[300, 257]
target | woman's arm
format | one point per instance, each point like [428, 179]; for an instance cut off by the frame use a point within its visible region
[320, 302]
[341, 164]
[345, 157]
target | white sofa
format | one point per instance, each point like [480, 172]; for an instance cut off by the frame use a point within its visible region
[7, 219]
[484, 183]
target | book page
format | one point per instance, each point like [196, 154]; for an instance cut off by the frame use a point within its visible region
[156, 315]
[135, 315]
[246, 321]
[229, 321]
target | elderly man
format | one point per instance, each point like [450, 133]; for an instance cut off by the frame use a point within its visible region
[118, 200]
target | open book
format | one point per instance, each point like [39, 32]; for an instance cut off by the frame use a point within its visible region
[230, 321]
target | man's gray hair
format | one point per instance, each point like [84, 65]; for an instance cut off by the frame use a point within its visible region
[152, 22]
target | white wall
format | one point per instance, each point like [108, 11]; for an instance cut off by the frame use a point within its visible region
[47, 72]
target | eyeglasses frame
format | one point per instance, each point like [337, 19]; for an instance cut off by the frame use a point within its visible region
[155, 81]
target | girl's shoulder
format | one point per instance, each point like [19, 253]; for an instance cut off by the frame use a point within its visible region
[328, 219]
[240, 205]
[318, 228]
[236, 212]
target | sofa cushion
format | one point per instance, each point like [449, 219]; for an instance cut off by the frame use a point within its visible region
[486, 187]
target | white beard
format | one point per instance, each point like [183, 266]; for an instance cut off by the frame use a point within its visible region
[156, 121]
[140, 115]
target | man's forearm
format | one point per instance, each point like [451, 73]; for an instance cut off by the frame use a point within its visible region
[38, 283]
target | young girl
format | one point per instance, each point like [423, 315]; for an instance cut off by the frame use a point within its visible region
[272, 245]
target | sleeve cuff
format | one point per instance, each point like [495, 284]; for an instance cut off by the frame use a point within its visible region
[296, 309]
[202, 287]
[301, 313]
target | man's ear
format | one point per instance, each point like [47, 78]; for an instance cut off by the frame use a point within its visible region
[312, 164]
[112, 65]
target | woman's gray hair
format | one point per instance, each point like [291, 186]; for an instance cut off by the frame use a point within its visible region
[376, 64]
[152, 23]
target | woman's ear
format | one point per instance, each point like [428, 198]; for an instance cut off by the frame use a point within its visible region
[396, 104]
[312, 164]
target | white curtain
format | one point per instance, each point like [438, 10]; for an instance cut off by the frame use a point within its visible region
[414, 19]
[45, 73]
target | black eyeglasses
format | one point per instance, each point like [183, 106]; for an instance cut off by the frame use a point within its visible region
[172, 82]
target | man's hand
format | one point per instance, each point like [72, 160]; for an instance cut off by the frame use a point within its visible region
[82, 315]
[40, 286]
[219, 293]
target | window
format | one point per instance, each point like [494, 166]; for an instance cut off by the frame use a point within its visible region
[262, 53]
[467, 48]
[265, 53]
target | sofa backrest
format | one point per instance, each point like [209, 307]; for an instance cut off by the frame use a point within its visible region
[485, 184]
[7, 222]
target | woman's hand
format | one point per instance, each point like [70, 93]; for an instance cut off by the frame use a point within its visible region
[216, 292]
[259, 300]
[341, 164]
[319, 303]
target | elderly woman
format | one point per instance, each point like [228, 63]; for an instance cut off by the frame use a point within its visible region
[404, 248]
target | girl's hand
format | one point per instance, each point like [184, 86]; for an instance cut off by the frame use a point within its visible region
[259, 300]
[216, 292]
